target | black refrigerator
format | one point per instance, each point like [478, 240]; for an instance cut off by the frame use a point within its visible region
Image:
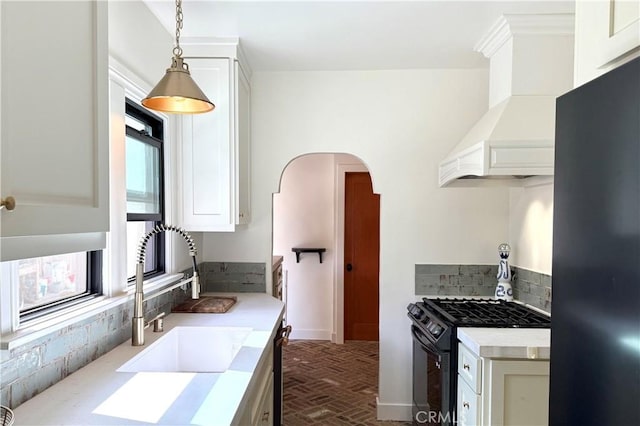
[595, 319]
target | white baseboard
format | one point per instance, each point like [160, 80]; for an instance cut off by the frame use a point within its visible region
[298, 334]
[395, 411]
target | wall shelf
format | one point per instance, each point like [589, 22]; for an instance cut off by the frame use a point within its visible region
[298, 250]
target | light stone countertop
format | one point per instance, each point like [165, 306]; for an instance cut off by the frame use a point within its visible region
[99, 395]
[517, 343]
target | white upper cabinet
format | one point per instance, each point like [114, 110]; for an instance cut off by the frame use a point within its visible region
[607, 35]
[54, 126]
[215, 149]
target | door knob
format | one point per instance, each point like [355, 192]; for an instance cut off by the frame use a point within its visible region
[9, 203]
[349, 267]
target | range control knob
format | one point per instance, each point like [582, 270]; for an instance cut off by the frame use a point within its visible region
[415, 311]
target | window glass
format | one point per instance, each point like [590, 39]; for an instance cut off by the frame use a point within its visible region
[135, 231]
[43, 280]
[145, 188]
[143, 177]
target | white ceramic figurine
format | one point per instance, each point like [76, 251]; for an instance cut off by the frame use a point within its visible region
[503, 289]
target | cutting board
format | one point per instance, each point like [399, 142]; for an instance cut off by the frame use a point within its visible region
[206, 305]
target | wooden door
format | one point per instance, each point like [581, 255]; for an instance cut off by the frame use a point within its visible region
[361, 258]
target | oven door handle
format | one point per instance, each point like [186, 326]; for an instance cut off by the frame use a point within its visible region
[422, 340]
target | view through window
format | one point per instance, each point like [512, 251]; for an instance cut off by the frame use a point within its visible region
[145, 187]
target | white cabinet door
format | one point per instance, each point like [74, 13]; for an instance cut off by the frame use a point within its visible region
[470, 368]
[215, 150]
[619, 31]
[257, 406]
[265, 412]
[54, 120]
[207, 160]
[469, 405]
[518, 393]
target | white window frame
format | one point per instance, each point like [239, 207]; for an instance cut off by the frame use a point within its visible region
[122, 84]
[126, 85]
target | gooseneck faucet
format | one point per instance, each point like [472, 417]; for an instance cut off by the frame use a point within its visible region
[137, 335]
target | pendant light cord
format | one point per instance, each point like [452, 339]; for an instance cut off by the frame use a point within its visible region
[176, 92]
[177, 50]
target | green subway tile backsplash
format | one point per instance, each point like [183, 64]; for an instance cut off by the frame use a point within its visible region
[237, 277]
[529, 287]
[39, 364]
[533, 288]
[456, 280]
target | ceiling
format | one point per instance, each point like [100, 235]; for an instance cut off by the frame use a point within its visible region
[350, 35]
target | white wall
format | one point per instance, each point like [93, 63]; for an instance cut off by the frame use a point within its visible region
[303, 216]
[531, 226]
[138, 40]
[145, 55]
[401, 124]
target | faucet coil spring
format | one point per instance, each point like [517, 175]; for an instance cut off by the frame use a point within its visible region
[138, 325]
[142, 246]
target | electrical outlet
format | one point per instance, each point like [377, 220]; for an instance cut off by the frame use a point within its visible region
[547, 293]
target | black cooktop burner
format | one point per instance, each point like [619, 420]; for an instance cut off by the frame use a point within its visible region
[487, 313]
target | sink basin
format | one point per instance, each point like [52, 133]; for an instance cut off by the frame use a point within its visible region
[190, 349]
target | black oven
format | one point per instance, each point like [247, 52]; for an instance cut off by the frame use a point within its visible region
[435, 348]
[432, 398]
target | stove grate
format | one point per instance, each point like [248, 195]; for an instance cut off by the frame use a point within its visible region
[487, 313]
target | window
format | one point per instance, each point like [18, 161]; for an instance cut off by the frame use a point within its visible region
[47, 284]
[145, 188]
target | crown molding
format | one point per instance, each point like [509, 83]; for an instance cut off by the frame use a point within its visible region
[508, 26]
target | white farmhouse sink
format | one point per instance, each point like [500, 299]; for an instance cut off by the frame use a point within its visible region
[190, 349]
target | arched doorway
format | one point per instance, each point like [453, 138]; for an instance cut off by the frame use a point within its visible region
[309, 211]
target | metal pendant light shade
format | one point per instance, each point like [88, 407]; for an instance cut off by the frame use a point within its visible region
[177, 92]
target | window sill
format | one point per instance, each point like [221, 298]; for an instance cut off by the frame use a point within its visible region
[151, 286]
[48, 324]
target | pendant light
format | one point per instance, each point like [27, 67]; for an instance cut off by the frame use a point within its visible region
[176, 92]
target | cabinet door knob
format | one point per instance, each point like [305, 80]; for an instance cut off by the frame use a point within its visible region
[466, 367]
[349, 267]
[9, 203]
[465, 405]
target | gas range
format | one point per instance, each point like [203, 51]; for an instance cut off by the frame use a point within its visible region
[439, 317]
[478, 313]
[435, 343]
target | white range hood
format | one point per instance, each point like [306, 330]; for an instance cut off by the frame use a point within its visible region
[531, 64]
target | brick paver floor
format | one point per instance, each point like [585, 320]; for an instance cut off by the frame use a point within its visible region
[328, 384]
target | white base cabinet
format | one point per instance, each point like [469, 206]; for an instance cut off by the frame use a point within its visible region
[215, 149]
[502, 392]
[258, 407]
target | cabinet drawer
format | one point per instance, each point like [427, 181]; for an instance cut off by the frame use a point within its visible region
[264, 415]
[264, 387]
[468, 405]
[470, 368]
